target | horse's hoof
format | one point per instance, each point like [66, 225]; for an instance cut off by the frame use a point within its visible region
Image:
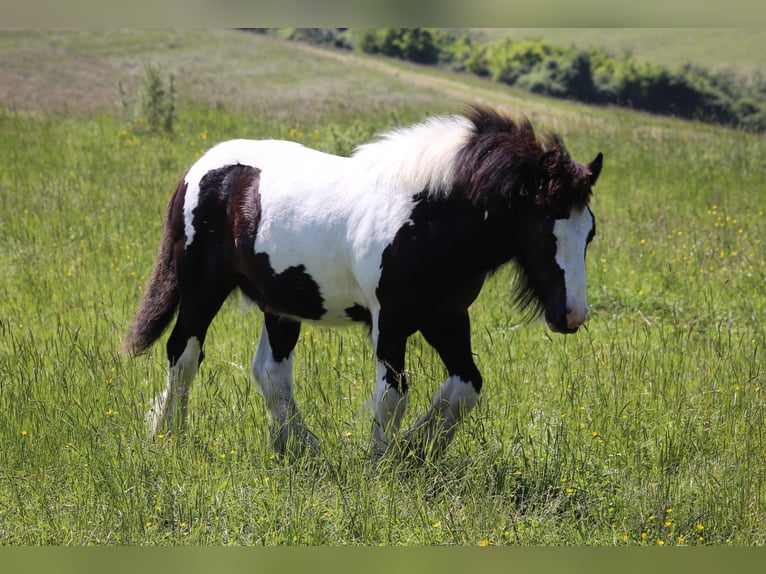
[294, 442]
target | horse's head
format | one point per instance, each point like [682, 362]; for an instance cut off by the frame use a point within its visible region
[554, 229]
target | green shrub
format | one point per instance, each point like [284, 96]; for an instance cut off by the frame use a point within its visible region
[565, 76]
[463, 55]
[156, 110]
[508, 60]
[412, 44]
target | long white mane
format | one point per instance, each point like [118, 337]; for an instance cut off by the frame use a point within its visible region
[417, 158]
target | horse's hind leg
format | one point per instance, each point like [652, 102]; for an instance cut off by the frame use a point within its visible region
[168, 412]
[272, 370]
[201, 298]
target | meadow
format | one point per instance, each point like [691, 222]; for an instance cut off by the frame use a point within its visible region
[647, 428]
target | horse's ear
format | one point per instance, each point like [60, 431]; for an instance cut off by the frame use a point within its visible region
[595, 168]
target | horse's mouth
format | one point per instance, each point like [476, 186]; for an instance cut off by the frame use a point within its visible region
[567, 322]
[564, 330]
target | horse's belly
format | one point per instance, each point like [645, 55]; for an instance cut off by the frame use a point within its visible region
[308, 280]
[311, 291]
[343, 312]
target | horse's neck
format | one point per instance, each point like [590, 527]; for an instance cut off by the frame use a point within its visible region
[496, 237]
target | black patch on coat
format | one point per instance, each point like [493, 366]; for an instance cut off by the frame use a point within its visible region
[292, 292]
[226, 223]
[283, 334]
[205, 268]
[433, 267]
[359, 313]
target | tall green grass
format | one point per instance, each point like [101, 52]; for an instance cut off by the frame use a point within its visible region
[646, 428]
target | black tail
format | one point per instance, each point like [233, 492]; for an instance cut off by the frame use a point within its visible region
[161, 296]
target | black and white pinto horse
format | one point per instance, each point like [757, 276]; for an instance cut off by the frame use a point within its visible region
[400, 236]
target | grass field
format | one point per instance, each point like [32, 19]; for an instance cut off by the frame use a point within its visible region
[647, 428]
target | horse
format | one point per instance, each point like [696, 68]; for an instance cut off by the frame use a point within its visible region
[400, 236]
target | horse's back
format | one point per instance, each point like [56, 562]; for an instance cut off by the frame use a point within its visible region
[319, 216]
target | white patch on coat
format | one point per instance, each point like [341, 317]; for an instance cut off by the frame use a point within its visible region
[571, 239]
[454, 399]
[336, 215]
[170, 407]
[274, 378]
[418, 157]
[275, 382]
[388, 409]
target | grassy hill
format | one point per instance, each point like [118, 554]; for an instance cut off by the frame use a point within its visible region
[81, 70]
[645, 429]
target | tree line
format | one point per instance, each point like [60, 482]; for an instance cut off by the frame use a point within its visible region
[590, 75]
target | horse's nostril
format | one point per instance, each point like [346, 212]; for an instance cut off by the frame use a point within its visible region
[574, 319]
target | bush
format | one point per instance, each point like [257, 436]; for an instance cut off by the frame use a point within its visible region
[463, 55]
[567, 76]
[507, 60]
[412, 44]
[156, 104]
[755, 121]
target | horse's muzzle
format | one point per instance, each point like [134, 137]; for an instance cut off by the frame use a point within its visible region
[566, 323]
[563, 330]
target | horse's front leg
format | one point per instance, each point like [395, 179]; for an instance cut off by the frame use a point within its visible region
[390, 398]
[457, 395]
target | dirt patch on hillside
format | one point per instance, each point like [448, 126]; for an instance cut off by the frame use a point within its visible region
[66, 71]
[36, 84]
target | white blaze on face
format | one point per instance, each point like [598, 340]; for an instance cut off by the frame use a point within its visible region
[571, 239]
